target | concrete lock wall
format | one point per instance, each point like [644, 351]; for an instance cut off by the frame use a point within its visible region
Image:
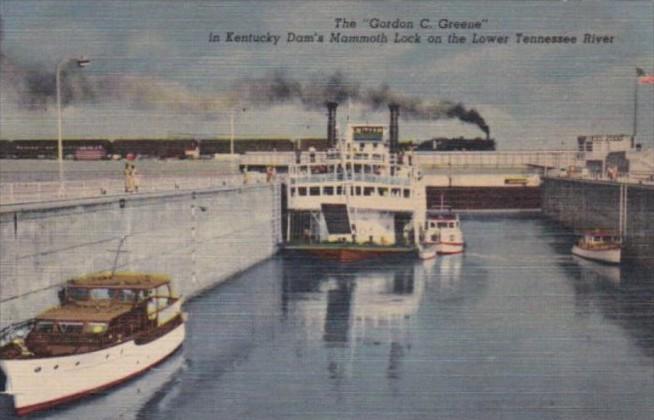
[200, 239]
[583, 204]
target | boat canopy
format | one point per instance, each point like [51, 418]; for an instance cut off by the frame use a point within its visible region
[121, 280]
[99, 311]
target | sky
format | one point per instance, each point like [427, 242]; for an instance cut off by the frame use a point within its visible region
[154, 73]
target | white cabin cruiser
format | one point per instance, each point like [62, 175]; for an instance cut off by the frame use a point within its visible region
[108, 328]
[599, 245]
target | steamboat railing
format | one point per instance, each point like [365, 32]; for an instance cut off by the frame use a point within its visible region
[353, 177]
[428, 159]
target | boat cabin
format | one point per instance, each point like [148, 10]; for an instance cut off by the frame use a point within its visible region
[599, 239]
[98, 311]
[442, 225]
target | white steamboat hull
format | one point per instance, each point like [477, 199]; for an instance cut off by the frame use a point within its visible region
[37, 384]
[611, 256]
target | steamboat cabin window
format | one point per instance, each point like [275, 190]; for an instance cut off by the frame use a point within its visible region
[302, 191]
[339, 190]
[442, 224]
[292, 191]
[314, 191]
[407, 193]
[357, 190]
[328, 190]
[368, 191]
[395, 192]
[383, 192]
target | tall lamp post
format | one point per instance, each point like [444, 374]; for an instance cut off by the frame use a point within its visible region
[231, 130]
[81, 62]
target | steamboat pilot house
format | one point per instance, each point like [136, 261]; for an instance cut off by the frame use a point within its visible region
[358, 199]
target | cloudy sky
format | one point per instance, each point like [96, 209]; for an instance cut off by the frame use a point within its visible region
[154, 73]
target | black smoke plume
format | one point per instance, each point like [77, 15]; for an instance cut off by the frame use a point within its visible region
[278, 88]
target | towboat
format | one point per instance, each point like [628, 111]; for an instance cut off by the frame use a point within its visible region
[599, 245]
[360, 199]
[443, 230]
[108, 328]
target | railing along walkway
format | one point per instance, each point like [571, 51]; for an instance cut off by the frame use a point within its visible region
[31, 192]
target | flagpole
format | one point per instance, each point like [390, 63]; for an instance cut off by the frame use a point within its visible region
[635, 126]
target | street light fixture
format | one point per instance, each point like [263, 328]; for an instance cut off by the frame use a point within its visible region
[81, 62]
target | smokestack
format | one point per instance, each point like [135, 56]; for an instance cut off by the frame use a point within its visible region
[331, 123]
[394, 134]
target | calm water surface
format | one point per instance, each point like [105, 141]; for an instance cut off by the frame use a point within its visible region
[514, 329]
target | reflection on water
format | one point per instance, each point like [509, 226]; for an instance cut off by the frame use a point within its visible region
[352, 306]
[591, 271]
[450, 267]
[337, 316]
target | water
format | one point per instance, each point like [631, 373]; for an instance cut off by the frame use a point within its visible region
[514, 329]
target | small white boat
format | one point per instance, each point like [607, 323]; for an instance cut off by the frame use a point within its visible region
[599, 245]
[444, 231]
